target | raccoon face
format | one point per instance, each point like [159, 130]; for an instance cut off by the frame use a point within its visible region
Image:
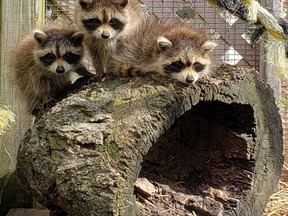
[60, 54]
[104, 22]
[186, 65]
[186, 71]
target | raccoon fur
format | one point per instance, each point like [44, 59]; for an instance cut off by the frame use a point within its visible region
[105, 21]
[43, 61]
[168, 48]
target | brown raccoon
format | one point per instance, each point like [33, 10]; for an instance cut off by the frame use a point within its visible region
[168, 48]
[43, 61]
[103, 22]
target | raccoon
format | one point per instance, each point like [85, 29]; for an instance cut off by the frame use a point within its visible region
[103, 22]
[168, 48]
[43, 61]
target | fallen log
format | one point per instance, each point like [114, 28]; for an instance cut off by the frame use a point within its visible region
[213, 148]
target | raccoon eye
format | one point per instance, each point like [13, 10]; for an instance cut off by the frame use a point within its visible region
[113, 21]
[116, 24]
[92, 23]
[72, 58]
[174, 67]
[178, 64]
[198, 66]
[48, 59]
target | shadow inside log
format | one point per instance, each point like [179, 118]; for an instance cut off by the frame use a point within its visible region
[203, 162]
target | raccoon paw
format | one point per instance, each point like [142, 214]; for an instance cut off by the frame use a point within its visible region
[36, 110]
[43, 105]
[97, 78]
[133, 72]
[48, 103]
[125, 70]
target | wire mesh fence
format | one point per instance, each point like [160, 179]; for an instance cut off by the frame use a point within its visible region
[56, 9]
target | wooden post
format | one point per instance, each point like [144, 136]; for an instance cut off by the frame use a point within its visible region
[267, 71]
[17, 18]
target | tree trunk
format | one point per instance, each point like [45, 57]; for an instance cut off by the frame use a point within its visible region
[214, 148]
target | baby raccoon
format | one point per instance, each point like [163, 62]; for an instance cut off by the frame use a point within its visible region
[168, 48]
[42, 64]
[103, 22]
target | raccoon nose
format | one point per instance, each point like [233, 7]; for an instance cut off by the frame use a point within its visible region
[60, 69]
[105, 35]
[189, 79]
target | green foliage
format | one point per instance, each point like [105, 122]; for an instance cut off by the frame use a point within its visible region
[283, 101]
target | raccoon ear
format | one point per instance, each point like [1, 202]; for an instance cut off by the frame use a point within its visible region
[40, 36]
[121, 3]
[77, 38]
[85, 3]
[208, 46]
[163, 43]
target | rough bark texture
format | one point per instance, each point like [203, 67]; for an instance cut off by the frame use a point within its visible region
[217, 143]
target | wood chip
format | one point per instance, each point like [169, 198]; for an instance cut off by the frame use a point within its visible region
[144, 187]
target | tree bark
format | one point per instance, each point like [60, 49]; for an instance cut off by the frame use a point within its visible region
[218, 143]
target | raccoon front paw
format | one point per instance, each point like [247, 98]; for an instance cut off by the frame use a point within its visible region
[36, 110]
[43, 105]
[125, 70]
[97, 78]
[48, 103]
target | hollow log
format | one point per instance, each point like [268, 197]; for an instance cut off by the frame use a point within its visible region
[212, 148]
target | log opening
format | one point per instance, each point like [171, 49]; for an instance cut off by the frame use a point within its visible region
[204, 154]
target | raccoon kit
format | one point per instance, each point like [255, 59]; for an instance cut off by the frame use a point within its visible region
[103, 22]
[167, 48]
[42, 64]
